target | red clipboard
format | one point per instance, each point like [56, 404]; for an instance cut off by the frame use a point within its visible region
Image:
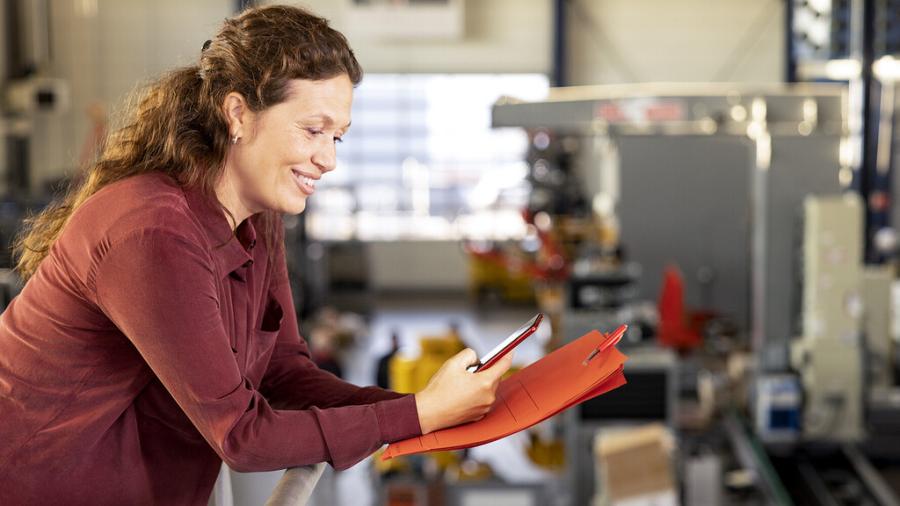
[585, 368]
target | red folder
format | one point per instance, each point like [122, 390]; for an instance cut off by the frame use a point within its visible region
[581, 370]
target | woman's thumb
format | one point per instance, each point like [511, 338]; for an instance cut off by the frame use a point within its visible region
[466, 357]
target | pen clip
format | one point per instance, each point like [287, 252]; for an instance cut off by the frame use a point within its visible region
[610, 340]
[614, 338]
[590, 356]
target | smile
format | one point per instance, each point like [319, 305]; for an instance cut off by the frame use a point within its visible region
[306, 184]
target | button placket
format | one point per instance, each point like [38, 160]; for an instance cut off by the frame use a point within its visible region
[241, 328]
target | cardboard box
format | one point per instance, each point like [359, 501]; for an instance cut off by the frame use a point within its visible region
[635, 464]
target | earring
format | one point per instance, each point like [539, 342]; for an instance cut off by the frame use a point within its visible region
[235, 139]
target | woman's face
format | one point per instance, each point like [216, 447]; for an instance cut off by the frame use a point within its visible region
[283, 150]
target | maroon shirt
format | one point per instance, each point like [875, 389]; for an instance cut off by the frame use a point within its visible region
[143, 352]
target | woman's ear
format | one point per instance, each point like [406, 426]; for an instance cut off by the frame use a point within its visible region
[237, 114]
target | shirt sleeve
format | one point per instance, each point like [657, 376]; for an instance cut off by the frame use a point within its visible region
[159, 289]
[293, 381]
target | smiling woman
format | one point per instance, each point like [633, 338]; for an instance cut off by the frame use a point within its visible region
[153, 338]
[279, 153]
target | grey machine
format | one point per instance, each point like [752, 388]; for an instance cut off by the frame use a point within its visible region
[711, 178]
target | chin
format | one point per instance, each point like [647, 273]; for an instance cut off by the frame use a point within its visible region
[295, 207]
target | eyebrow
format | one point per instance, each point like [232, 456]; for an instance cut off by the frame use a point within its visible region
[328, 120]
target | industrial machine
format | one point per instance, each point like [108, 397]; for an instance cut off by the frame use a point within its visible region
[829, 355]
[748, 190]
[28, 92]
[708, 177]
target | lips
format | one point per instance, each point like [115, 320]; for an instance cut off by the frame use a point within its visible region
[306, 184]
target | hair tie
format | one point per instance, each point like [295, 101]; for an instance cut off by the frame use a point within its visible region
[206, 45]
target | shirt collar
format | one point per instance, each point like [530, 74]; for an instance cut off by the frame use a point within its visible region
[229, 250]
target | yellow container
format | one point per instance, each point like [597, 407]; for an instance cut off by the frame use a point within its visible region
[402, 374]
[409, 375]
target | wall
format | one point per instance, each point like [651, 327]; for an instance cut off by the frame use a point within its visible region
[3, 15]
[609, 40]
[106, 49]
[418, 266]
[616, 41]
[500, 36]
[3, 126]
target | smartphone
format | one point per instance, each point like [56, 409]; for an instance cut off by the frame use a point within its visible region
[508, 344]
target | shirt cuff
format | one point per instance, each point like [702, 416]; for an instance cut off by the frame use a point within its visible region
[398, 419]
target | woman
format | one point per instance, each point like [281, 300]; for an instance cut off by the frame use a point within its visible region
[153, 338]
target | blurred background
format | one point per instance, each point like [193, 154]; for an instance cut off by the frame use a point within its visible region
[716, 175]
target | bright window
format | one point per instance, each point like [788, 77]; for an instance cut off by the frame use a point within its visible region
[421, 161]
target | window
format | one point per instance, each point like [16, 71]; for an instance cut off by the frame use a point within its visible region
[421, 161]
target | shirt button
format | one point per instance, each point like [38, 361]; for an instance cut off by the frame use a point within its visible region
[252, 244]
[248, 263]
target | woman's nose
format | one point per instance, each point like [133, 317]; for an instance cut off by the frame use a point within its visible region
[324, 157]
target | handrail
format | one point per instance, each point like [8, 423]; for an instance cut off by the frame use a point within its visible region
[296, 486]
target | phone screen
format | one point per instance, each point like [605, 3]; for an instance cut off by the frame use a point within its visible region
[508, 344]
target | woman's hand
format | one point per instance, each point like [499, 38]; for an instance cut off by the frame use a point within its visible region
[454, 395]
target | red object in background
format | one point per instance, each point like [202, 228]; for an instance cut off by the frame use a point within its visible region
[550, 263]
[674, 331]
[879, 201]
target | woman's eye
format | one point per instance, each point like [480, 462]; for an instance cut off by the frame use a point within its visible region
[316, 131]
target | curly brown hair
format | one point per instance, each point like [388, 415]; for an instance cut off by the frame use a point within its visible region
[177, 125]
